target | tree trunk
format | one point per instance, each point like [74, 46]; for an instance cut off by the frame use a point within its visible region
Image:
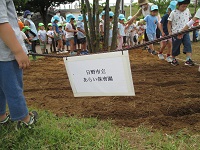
[91, 26]
[83, 8]
[115, 25]
[106, 26]
[96, 8]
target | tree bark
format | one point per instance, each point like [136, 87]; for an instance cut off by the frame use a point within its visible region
[115, 26]
[83, 8]
[91, 26]
[96, 8]
[106, 26]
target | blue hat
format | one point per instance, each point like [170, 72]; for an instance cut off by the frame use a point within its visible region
[129, 18]
[55, 18]
[103, 13]
[69, 17]
[111, 14]
[80, 18]
[26, 13]
[154, 7]
[172, 5]
[121, 17]
[184, 1]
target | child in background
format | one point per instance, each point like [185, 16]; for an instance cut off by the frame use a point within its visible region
[101, 25]
[164, 32]
[176, 22]
[111, 15]
[152, 21]
[57, 37]
[140, 31]
[121, 31]
[70, 33]
[50, 35]
[129, 33]
[81, 35]
[26, 40]
[30, 35]
[42, 35]
[64, 39]
[62, 34]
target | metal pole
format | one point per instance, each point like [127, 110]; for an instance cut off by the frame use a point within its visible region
[130, 7]
[123, 7]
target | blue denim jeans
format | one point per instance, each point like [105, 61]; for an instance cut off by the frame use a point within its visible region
[176, 43]
[11, 90]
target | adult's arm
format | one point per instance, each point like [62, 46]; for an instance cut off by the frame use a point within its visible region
[139, 13]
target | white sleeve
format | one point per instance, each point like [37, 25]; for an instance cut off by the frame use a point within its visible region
[23, 35]
[39, 32]
[197, 15]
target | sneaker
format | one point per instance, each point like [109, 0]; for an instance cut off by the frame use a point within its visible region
[154, 52]
[82, 53]
[86, 52]
[160, 56]
[174, 62]
[146, 47]
[189, 63]
[168, 59]
[149, 50]
[5, 120]
[29, 125]
[73, 53]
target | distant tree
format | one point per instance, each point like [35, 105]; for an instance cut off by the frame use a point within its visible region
[115, 25]
[20, 5]
[162, 5]
[92, 11]
[40, 5]
[106, 26]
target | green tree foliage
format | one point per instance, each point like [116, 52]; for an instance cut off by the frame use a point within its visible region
[39, 5]
[20, 5]
[162, 5]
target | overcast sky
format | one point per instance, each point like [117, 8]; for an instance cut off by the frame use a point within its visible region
[114, 1]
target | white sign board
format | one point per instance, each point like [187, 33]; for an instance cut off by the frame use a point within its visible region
[105, 74]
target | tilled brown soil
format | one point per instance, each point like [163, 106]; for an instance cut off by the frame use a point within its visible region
[167, 98]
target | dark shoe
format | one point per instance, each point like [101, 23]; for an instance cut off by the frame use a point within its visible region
[174, 62]
[146, 47]
[30, 124]
[189, 63]
[149, 51]
[154, 52]
[5, 121]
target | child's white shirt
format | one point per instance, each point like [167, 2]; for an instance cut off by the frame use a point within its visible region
[179, 19]
[110, 29]
[101, 24]
[42, 34]
[50, 32]
[129, 31]
[121, 29]
[197, 15]
[23, 35]
[69, 34]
